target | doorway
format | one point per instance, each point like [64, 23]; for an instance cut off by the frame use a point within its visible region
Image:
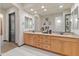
[10, 44]
[12, 27]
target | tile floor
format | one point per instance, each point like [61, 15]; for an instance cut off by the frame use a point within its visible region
[28, 51]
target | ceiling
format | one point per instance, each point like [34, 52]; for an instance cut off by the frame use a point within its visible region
[51, 7]
[5, 6]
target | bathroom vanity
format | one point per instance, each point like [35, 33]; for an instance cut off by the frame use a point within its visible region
[62, 44]
[65, 44]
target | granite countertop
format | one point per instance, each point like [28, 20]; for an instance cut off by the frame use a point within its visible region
[55, 34]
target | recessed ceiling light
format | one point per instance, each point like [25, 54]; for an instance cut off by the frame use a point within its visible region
[35, 11]
[58, 21]
[61, 6]
[31, 9]
[45, 9]
[76, 19]
[42, 6]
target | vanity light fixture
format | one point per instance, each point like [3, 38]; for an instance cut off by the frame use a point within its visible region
[61, 6]
[45, 9]
[35, 12]
[42, 7]
[31, 10]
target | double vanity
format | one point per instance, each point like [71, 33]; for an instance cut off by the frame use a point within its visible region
[61, 44]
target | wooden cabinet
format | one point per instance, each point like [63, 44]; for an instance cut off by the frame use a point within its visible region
[56, 45]
[46, 40]
[46, 46]
[67, 50]
[36, 41]
[65, 46]
[37, 45]
[36, 38]
[28, 39]
[71, 48]
[75, 51]
[62, 45]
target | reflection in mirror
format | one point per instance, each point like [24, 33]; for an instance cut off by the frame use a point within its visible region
[74, 21]
[67, 23]
[28, 23]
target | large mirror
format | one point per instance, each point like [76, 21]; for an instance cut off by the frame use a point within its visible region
[28, 23]
[74, 21]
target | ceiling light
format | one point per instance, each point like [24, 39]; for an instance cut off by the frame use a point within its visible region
[58, 21]
[35, 11]
[61, 6]
[76, 20]
[45, 9]
[31, 9]
[42, 6]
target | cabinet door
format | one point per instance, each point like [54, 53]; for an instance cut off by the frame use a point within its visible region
[38, 45]
[37, 38]
[42, 37]
[46, 40]
[28, 39]
[46, 46]
[31, 39]
[75, 49]
[36, 41]
[68, 48]
[56, 46]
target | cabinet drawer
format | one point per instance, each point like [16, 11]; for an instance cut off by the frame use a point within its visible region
[46, 40]
[67, 48]
[38, 45]
[57, 46]
[75, 47]
[30, 42]
[45, 46]
[37, 39]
